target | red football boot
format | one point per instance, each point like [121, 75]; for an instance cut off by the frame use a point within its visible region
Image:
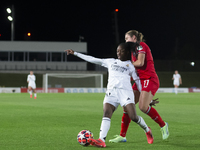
[97, 143]
[149, 136]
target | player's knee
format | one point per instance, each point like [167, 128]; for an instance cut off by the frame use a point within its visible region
[143, 108]
[134, 118]
[107, 113]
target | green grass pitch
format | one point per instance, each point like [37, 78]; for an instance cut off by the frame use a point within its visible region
[52, 122]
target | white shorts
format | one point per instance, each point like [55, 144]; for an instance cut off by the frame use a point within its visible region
[32, 85]
[176, 83]
[119, 96]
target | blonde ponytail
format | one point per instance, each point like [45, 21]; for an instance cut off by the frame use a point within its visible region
[139, 35]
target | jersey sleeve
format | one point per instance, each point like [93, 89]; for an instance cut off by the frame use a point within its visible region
[107, 61]
[142, 48]
[90, 59]
[136, 79]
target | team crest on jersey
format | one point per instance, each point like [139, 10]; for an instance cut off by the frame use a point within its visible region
[139, 48]
[127, 65]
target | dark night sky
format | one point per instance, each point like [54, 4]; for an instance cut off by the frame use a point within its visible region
[166, 25]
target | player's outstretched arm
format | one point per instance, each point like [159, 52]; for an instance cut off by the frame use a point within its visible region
[69, 51]
[88, 58]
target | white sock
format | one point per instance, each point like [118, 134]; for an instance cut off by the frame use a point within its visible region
[35, 95]
[142, 124]
[176, 90]
[30, 92]
[105, 126]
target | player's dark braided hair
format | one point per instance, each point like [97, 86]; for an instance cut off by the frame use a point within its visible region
[131, 47]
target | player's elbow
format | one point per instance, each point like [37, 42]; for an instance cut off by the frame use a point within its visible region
[140, 64]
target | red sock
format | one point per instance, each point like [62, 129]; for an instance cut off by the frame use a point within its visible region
[155, 116]
[124, 124]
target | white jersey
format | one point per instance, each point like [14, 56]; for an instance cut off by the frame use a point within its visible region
[176, 79]
[31, 81]
[120, 72]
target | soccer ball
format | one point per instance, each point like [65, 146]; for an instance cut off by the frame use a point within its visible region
[83, 136]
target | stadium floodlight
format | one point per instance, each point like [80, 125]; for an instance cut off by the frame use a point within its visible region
[8, 10]
[68, 80]
[10, 18]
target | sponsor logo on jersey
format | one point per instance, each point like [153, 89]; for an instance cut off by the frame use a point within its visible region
[118, 68]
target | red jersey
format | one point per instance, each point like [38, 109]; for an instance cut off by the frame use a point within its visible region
[147, 71]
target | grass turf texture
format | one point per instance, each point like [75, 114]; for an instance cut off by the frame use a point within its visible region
[52, 122]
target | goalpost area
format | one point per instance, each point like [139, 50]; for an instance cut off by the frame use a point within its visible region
[74, 83]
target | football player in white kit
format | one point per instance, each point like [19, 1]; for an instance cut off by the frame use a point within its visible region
[177, 81]
[119, 89]
[31, 84]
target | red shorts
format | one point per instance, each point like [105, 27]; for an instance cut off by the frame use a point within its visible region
[151, 84]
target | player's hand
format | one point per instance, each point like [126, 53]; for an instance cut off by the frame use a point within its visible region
[69, 51]
[154, 102]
